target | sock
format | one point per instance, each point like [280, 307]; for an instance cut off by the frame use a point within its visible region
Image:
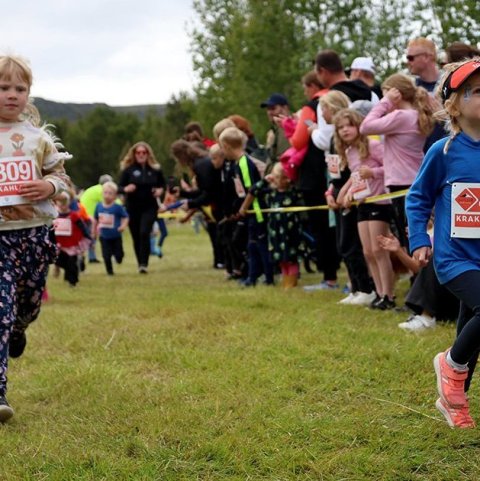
[455, 365]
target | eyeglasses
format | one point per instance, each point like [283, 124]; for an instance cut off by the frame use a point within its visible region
[141, 152]
[458, 77]
[411, 58]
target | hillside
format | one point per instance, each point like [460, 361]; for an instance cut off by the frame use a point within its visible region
[51, 110]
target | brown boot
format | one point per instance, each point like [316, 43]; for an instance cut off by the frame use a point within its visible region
[289, 281]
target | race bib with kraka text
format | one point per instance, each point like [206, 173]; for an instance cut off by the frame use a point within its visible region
[465, 210]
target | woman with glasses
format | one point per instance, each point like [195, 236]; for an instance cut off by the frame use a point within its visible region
[142, 183]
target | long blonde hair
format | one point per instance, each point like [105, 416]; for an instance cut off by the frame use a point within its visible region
[361, 142]
[335, 101]
[417, 96]
[129, 158]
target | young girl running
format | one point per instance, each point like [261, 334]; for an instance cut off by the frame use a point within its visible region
[365, 161]
[284, 228]
[404, 117]
[31, 173]
[449, 179]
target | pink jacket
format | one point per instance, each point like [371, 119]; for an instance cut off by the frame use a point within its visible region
[374, 161]
[403, 141]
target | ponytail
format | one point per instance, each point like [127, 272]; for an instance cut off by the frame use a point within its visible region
[424, 105]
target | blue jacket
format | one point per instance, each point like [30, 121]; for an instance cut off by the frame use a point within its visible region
[432, 188]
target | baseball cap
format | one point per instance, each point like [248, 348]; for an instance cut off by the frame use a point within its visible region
[363, 63]
[274, 99]
[105, 178]
[363, 107]
[458, 77]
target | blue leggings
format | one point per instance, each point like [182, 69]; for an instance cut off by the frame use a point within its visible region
[24, 258]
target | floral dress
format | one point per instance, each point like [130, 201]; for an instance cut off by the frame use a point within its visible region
[285, 238]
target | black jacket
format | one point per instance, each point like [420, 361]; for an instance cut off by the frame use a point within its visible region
[145, 179]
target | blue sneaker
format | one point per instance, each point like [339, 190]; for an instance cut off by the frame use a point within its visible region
[322, 286]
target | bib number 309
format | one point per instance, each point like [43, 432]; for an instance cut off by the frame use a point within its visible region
[14, 171]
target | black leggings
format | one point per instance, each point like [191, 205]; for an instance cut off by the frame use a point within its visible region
[465, 349]
[140, 225]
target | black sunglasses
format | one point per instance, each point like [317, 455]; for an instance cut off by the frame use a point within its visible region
[411, 58]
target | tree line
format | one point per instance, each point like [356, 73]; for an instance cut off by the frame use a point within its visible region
[243, 50]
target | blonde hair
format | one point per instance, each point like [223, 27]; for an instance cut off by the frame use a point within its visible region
[110, 185]
[361, 142]
[280, 170]
[450, 112]
[129, 158]
[13, 67]
[220, 126]
[424, 43]
[335, 101]
[234, 138]
[417, 96]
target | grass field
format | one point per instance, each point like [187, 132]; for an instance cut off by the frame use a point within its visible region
[181, 375]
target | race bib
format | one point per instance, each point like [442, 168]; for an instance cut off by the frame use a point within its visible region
[14, 171]
[360, 188]
[239, 188]
[62, 226]
[465, 210]
[106, 221]
[333, 165]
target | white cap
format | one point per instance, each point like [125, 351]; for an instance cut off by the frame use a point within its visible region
[363, 63]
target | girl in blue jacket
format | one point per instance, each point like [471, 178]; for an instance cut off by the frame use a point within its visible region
[449, 182]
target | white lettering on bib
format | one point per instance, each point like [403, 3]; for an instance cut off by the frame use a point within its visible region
[360, 188]
[62, 226]
[465, 210]
[333, 165]
[14, 171]
[106, 221]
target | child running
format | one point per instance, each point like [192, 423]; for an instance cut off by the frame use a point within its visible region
[31, 174]
[449, 180]
[365, 161]
[284, 228]
[405, 117]
[73, 238]
[110, 220]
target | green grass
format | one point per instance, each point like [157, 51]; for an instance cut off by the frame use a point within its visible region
[180, 375]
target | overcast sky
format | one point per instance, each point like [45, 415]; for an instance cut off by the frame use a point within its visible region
[121, 52]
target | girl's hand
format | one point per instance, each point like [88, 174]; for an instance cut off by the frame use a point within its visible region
[311, 128]
[37, 190]
[389, 243]
[130, 188]
[422, 255]
[365, 172]
[331, 202]
[186, 187]
[157, 192]
[394, 96]
[347, 200]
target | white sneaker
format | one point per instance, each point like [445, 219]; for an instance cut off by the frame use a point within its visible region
[349, 299]
[363, 298]
[418, 323]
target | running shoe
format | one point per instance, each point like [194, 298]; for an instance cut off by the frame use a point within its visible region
[450, 382]
[456, 417]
